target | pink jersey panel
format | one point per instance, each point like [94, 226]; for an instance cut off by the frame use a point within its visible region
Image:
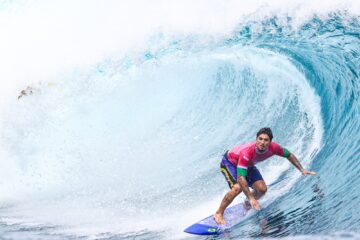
[246, 155]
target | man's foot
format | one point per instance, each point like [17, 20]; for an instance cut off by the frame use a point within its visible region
[219, 218]
[247, 205]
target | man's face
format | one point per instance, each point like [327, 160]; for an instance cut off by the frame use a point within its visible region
[262, 142]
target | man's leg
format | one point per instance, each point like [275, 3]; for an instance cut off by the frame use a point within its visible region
[256, 181]
[228, 198]
[260, 189]
[229, 172]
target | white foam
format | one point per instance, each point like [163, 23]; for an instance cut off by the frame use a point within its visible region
[47, 41]
[43, 39]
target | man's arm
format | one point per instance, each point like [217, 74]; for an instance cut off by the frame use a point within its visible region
[292, 158]
[245, 188]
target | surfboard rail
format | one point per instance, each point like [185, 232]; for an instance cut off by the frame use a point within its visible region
[208, 226]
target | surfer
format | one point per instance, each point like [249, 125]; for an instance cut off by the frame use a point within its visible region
[238, 167]
[26, 92]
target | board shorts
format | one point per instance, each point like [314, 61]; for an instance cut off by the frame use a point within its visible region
[230, 173]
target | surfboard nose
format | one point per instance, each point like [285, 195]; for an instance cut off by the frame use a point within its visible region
[202, 229]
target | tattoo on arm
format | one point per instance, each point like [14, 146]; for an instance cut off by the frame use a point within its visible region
[295, 162]
[244, 186]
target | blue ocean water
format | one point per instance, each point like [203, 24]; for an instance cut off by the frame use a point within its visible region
[130, 148]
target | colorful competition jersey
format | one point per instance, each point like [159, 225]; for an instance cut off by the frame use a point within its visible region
[246, 155]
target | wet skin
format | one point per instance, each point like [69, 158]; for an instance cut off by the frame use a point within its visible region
[262, 143]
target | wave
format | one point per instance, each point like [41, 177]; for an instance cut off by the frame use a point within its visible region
[131, 147]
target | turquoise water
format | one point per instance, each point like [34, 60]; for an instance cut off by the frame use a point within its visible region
[327, 53]
[129, 147]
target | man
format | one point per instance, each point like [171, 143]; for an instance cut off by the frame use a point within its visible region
[238, 167]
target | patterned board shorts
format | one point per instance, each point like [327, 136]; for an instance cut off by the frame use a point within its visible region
[230, 173]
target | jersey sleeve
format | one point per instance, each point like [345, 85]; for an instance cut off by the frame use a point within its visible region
[280, 151]
[243, 164]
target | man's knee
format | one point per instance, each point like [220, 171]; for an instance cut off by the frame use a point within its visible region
[262, 189]
[236, 189]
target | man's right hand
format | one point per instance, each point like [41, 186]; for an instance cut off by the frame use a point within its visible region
[255, 204]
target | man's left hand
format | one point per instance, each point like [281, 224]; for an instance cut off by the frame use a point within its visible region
[307, 172]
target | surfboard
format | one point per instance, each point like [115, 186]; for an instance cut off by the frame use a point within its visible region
[232, 215]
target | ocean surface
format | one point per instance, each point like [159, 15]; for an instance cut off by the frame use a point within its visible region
[128, 107]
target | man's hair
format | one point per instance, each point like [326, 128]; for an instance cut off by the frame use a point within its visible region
[266, 131]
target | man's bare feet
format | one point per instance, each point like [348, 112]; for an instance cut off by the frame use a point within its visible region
[219, 218]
